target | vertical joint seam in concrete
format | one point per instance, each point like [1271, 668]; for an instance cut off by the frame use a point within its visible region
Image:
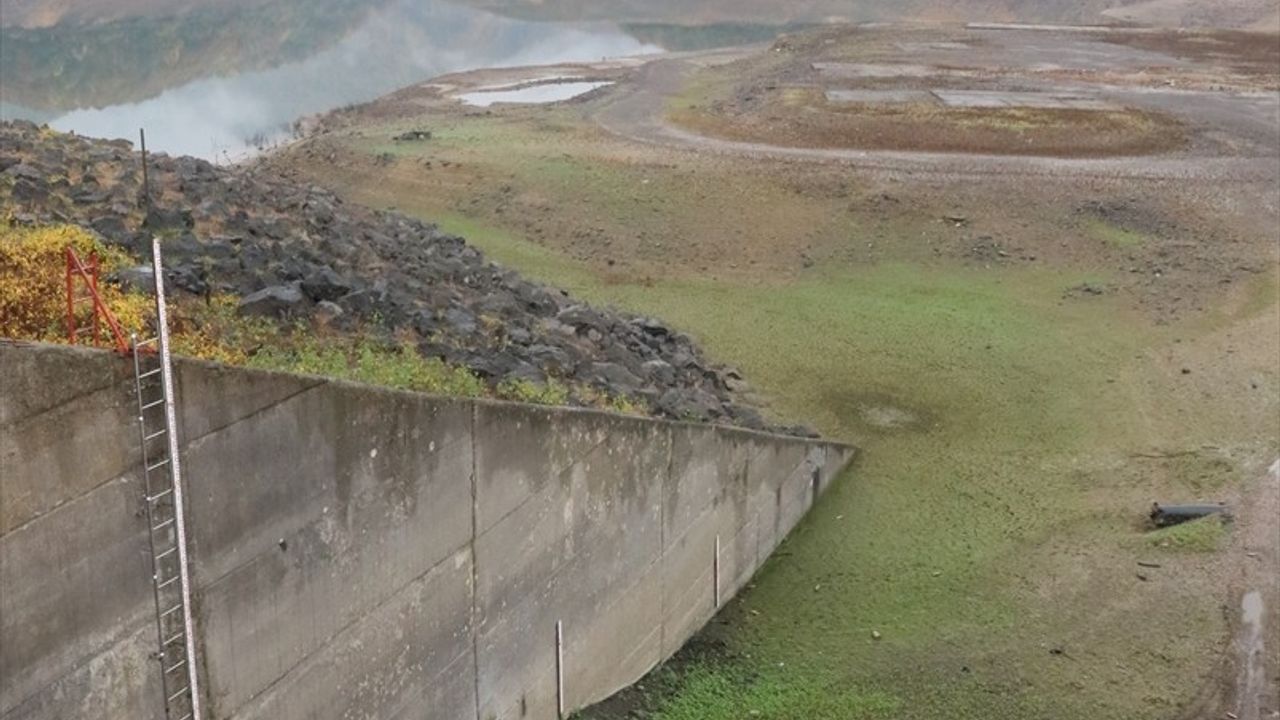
[664, 488]
[475, 572]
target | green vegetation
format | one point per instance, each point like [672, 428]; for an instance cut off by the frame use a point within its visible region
[1201, 536]
[987, 440]
[402, 368]
[551, 393]
[701, 37]
[1114, 235]
[713, 693]
[505, 248]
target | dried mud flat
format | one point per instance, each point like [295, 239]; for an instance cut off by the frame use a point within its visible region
[974, 97]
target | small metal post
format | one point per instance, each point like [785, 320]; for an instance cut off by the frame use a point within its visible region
[560, 670]
[146, 180]
[715, 573]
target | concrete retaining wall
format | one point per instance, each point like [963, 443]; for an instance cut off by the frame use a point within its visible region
[365, 553]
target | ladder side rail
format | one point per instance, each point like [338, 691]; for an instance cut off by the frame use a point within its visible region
[175, 476]
[151, 519]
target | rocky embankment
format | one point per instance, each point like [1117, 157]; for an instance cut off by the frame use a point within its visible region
[298, 253]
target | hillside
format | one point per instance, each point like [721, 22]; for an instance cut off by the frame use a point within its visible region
[47, 13]
[299, 256]
[99, 63]
[1251, 14]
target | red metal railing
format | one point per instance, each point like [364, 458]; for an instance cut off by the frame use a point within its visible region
[86, 274]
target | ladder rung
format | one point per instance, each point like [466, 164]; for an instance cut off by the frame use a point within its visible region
[185, 717]
[150, 373]
[176, 695]
[150, 405]
[148, 341]
[162, 525]
[171, 640]
[158, 465]
[171, 610]
[160, 494]
[155, 435]
[175, 666]
[167, 583]
[167, 553]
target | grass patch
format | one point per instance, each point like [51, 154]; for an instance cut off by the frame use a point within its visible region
[505, 248]
[550, 393]
[1114, 235]
[401, 368]
[975, 422]
[1205, 535]
[711, 692]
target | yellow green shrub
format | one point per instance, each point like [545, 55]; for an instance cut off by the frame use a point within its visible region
[33, 291]
[33, 298]
[551, 392]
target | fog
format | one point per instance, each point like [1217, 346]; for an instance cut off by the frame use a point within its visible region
[397, 44]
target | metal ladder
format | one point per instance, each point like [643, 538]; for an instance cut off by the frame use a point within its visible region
[162, 480]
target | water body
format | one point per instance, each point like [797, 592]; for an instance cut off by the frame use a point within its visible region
[218, 84]
[533, 95]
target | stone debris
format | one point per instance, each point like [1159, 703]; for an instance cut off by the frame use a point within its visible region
[299, 253]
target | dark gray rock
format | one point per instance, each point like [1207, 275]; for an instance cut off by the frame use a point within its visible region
[519, 335]
[159, 219]
[325, 284]
[425, 323]
[29, 191]
[111, 227]
[460, 321]
[611, 375]
[278, 301]
[745, 417]
[525, 372]
[556, 360]
[26, 172]
[192, 277]
[89, 196]
[363, 302]
[690, 405]
[658, 372]
[583, 319]
[327, 311]
[139, 278]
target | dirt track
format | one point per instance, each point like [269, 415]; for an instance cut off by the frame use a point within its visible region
[1256, 694]
[1242, 149]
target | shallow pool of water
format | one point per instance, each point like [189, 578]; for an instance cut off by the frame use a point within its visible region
[533, 94]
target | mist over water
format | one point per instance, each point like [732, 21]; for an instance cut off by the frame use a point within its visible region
[225, 115]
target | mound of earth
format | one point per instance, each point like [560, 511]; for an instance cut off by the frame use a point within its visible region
[297, 252]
